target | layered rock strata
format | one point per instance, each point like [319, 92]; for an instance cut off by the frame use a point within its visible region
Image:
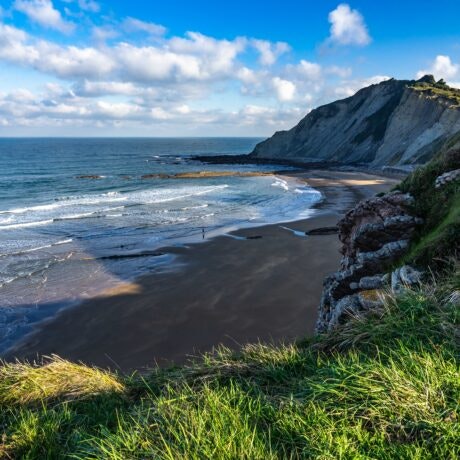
[374, 234]
[394, 123]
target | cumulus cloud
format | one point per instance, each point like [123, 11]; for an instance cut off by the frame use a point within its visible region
[309, 70]
[195, 57]
[442, 67]
[285, 89]
[43, 13]
[25, 109]
[129, 74]
[348, 27]
[269, 52]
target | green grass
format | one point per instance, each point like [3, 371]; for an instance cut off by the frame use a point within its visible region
[438, 239]
[439, 90]
[385, 385]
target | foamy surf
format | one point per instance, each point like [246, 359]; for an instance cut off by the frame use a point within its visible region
[66, 241]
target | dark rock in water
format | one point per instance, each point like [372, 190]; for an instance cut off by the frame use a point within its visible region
[254, 237]
[374, 234]
[155, 176]
[89, 176]
[323, 231]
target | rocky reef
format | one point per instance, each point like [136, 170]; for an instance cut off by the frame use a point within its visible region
[374, 235]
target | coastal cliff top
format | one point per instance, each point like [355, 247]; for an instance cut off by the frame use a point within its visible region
[437, 89]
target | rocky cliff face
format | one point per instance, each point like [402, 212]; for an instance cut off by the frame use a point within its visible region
[374, 234]
[377, 232]
[394, 123]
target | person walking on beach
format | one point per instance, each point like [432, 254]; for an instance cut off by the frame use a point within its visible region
[202, 232]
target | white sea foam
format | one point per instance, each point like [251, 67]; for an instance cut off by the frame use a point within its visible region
[45, 207]
[46, 246]
[281, 183]
[187, 208]
[295, 232]
[26, 224]
[68, 240]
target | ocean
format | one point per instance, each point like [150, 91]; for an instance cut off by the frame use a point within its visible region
[64, 238]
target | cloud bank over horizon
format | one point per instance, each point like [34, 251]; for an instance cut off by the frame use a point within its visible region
[99, 74]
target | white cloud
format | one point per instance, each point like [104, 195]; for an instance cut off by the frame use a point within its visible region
[269, 52]
[43, 12]
[348, 27]
[442, 67]
[183, 109]
[285, 89]
[342, 72]
[216, 57]
[103, 33]
[136, 25]
[89, 5]
[73, 62]
[105, 88]
[155, 80]
[349, 87]
[309, 70]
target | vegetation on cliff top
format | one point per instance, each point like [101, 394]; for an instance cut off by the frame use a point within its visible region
[438, 89]
[438, 241]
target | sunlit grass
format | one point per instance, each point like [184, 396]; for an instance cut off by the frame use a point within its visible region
[393, 391]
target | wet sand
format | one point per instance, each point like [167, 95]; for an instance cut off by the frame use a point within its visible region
[226, 290]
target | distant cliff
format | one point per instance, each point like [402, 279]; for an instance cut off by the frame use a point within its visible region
[394, 123]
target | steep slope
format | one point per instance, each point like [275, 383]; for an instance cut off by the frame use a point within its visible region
[418, 224]
[397, 122]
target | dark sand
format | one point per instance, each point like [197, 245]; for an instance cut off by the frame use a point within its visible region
[225, 290]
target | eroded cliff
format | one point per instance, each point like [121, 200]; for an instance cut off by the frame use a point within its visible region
[394, 123]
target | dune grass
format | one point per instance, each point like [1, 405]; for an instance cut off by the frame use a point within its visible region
[385, 385]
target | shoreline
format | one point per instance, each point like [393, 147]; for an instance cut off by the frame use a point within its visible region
[225, 290]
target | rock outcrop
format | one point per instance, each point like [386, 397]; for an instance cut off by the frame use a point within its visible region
[374, 235]
[396, 123]
[447, 177]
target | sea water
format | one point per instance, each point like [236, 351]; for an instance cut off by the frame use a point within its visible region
[64, 238]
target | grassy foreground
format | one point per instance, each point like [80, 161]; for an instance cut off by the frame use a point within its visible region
[385, 385]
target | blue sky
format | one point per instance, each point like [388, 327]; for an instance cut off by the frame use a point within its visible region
[206, 68]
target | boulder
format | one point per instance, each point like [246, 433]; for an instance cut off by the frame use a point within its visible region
[447, 177]
[405, 276]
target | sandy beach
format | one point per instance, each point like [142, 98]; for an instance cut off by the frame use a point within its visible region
[230, 290]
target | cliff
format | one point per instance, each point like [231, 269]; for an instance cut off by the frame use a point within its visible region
[393, 123]
[389, 241]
